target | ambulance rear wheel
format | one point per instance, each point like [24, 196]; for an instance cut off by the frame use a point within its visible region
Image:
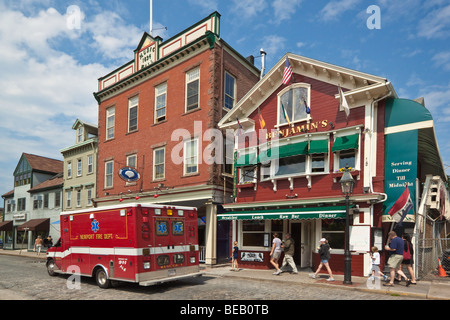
[102, 279]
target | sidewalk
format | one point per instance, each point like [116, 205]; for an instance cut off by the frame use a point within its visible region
[23, 253]
[435, 289]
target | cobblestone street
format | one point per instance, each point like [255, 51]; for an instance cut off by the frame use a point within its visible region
[27, 278]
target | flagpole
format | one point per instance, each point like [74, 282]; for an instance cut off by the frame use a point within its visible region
[151, 18]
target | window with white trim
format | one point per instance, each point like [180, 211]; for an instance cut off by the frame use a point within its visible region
[159, 163]
[192, 89]
[347, 158]
[230, 91]
[133, 104]
[69, 169]
[291, 166]
[109, 167]
[318, 162]
[160, 102]
[346, 150]
[80, 134]
[293, 103]
[132, 161]
[69, 199]
[89, 197]
[90, 164]
[79, 167]
[247, 175]
[79, 198]
[110, 122]
[190, 156]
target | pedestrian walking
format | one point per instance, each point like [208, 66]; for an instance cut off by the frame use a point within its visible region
[324, 252]
[38, 244]
[48, 242]
[234, 257]
[275, 253]
[375, 271]
[408, 253]
[288, 245]
[395, 247]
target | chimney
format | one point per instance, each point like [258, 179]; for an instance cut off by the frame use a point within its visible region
[263, 62]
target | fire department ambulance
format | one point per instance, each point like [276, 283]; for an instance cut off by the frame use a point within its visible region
[147, 244]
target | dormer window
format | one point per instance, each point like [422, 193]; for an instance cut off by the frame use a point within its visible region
[293, 104]
[80, 132]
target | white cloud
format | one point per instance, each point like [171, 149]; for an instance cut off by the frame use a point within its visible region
[283, 10]
[435, 24]
[44, 89]
[207, 6]
[248, 8]
[442, 59]
[437, 100]
[112, 37]
[274, 46]
[335, 8]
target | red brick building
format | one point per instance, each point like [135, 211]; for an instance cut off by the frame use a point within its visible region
[154, 116]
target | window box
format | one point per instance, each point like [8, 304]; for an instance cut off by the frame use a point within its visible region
[338, 175]
[246, 185]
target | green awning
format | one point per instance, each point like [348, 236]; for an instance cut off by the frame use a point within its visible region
[318, 146]
[246, 160]
[285, 151]
[264, 156]
[337, 212]
[346, 143]
[293, 149]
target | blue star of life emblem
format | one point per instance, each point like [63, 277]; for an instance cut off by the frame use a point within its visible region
[177, 228]
[95, 226]
[162, 228]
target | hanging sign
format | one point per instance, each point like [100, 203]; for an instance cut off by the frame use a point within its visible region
[129, 174]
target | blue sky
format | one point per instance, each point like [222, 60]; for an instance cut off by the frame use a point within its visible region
[48, 71]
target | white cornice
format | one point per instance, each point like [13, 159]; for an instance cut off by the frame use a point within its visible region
[362, 85]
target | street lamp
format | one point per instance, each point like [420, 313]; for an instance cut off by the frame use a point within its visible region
[347, 183]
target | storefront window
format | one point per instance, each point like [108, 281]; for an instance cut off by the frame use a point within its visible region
[277, 226]
[334, 231]
[253, 233]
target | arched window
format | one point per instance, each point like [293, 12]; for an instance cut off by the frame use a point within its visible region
[294, 104]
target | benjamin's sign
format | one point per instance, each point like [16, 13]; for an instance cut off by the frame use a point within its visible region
[282, 133]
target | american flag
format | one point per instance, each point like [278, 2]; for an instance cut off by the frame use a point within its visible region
[287, 76]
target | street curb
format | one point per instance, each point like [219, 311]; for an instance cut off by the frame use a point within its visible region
[387, 292]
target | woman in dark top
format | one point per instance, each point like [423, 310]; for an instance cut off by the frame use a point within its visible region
[408, 254]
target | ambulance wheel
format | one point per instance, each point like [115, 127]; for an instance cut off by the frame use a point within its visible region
[51, 268]
[102, 279]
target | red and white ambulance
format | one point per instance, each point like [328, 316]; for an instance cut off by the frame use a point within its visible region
[147, 244]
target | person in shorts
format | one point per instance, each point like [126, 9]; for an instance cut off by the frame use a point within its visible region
[395, 246]
[275, 253]
[324, 253]
[375, 271]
